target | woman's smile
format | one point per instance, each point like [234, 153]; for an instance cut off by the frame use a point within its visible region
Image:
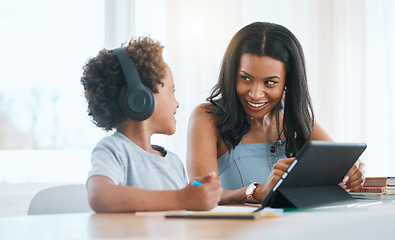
[256, 106]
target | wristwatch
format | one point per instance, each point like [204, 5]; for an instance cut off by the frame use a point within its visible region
[251, 190]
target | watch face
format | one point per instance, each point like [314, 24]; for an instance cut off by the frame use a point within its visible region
[250, 189]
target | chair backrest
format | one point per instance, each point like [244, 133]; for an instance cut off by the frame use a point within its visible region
[60, 199]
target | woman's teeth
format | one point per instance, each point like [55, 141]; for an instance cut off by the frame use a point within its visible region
[256, 105]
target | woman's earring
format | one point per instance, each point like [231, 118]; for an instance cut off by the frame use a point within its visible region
[285, 89]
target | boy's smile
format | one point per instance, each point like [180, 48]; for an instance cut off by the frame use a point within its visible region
[166, 106]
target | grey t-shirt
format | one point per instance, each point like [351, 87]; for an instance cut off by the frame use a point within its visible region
[125, 163]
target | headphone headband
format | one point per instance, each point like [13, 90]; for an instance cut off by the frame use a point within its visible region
[128, 67]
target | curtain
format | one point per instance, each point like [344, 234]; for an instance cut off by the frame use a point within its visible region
[349, 53]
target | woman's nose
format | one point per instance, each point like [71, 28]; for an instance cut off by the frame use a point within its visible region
[256, 92]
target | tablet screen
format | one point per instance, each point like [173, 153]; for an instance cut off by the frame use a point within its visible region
[318, 165]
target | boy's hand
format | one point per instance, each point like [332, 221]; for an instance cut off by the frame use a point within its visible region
[205, 196]
[206, 179]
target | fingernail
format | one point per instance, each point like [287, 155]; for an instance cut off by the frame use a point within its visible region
[346, 179]
[196, 183]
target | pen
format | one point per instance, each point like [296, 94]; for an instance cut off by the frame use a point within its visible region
[196, 183]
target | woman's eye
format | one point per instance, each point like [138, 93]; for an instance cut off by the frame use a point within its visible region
[269, 82]
[245, 78]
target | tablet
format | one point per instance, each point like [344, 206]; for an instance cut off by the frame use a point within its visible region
[312, 179]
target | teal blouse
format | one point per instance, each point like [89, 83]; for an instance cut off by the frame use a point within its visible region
[249, 163]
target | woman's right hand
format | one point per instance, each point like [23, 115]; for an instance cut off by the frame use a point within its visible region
[278, 170]
[203, 197]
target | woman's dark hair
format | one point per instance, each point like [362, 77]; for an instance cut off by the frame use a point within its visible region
[275, 41]
[103, 78]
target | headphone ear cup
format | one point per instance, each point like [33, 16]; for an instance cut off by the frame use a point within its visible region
[137, 104]
[135, 99]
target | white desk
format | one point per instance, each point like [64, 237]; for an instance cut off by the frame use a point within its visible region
[375, 222]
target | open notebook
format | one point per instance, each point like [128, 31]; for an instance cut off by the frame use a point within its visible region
[228, 212]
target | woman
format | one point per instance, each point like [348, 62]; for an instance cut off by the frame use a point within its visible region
[258, 117]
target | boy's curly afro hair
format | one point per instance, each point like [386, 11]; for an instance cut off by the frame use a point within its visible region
[102, 79]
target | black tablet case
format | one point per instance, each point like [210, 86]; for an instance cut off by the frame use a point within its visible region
[314, 178]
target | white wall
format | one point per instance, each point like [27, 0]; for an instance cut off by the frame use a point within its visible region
[348, 47]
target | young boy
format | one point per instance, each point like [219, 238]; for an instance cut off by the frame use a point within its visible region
[128, 173]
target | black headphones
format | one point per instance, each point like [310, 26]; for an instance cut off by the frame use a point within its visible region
[135, 99]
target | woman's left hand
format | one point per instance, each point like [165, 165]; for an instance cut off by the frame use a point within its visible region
[355, 178]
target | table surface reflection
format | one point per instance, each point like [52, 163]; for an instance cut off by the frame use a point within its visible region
[364, 223]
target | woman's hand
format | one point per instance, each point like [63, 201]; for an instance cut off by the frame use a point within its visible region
[278, 170]
[203, 197]
[355, 178]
